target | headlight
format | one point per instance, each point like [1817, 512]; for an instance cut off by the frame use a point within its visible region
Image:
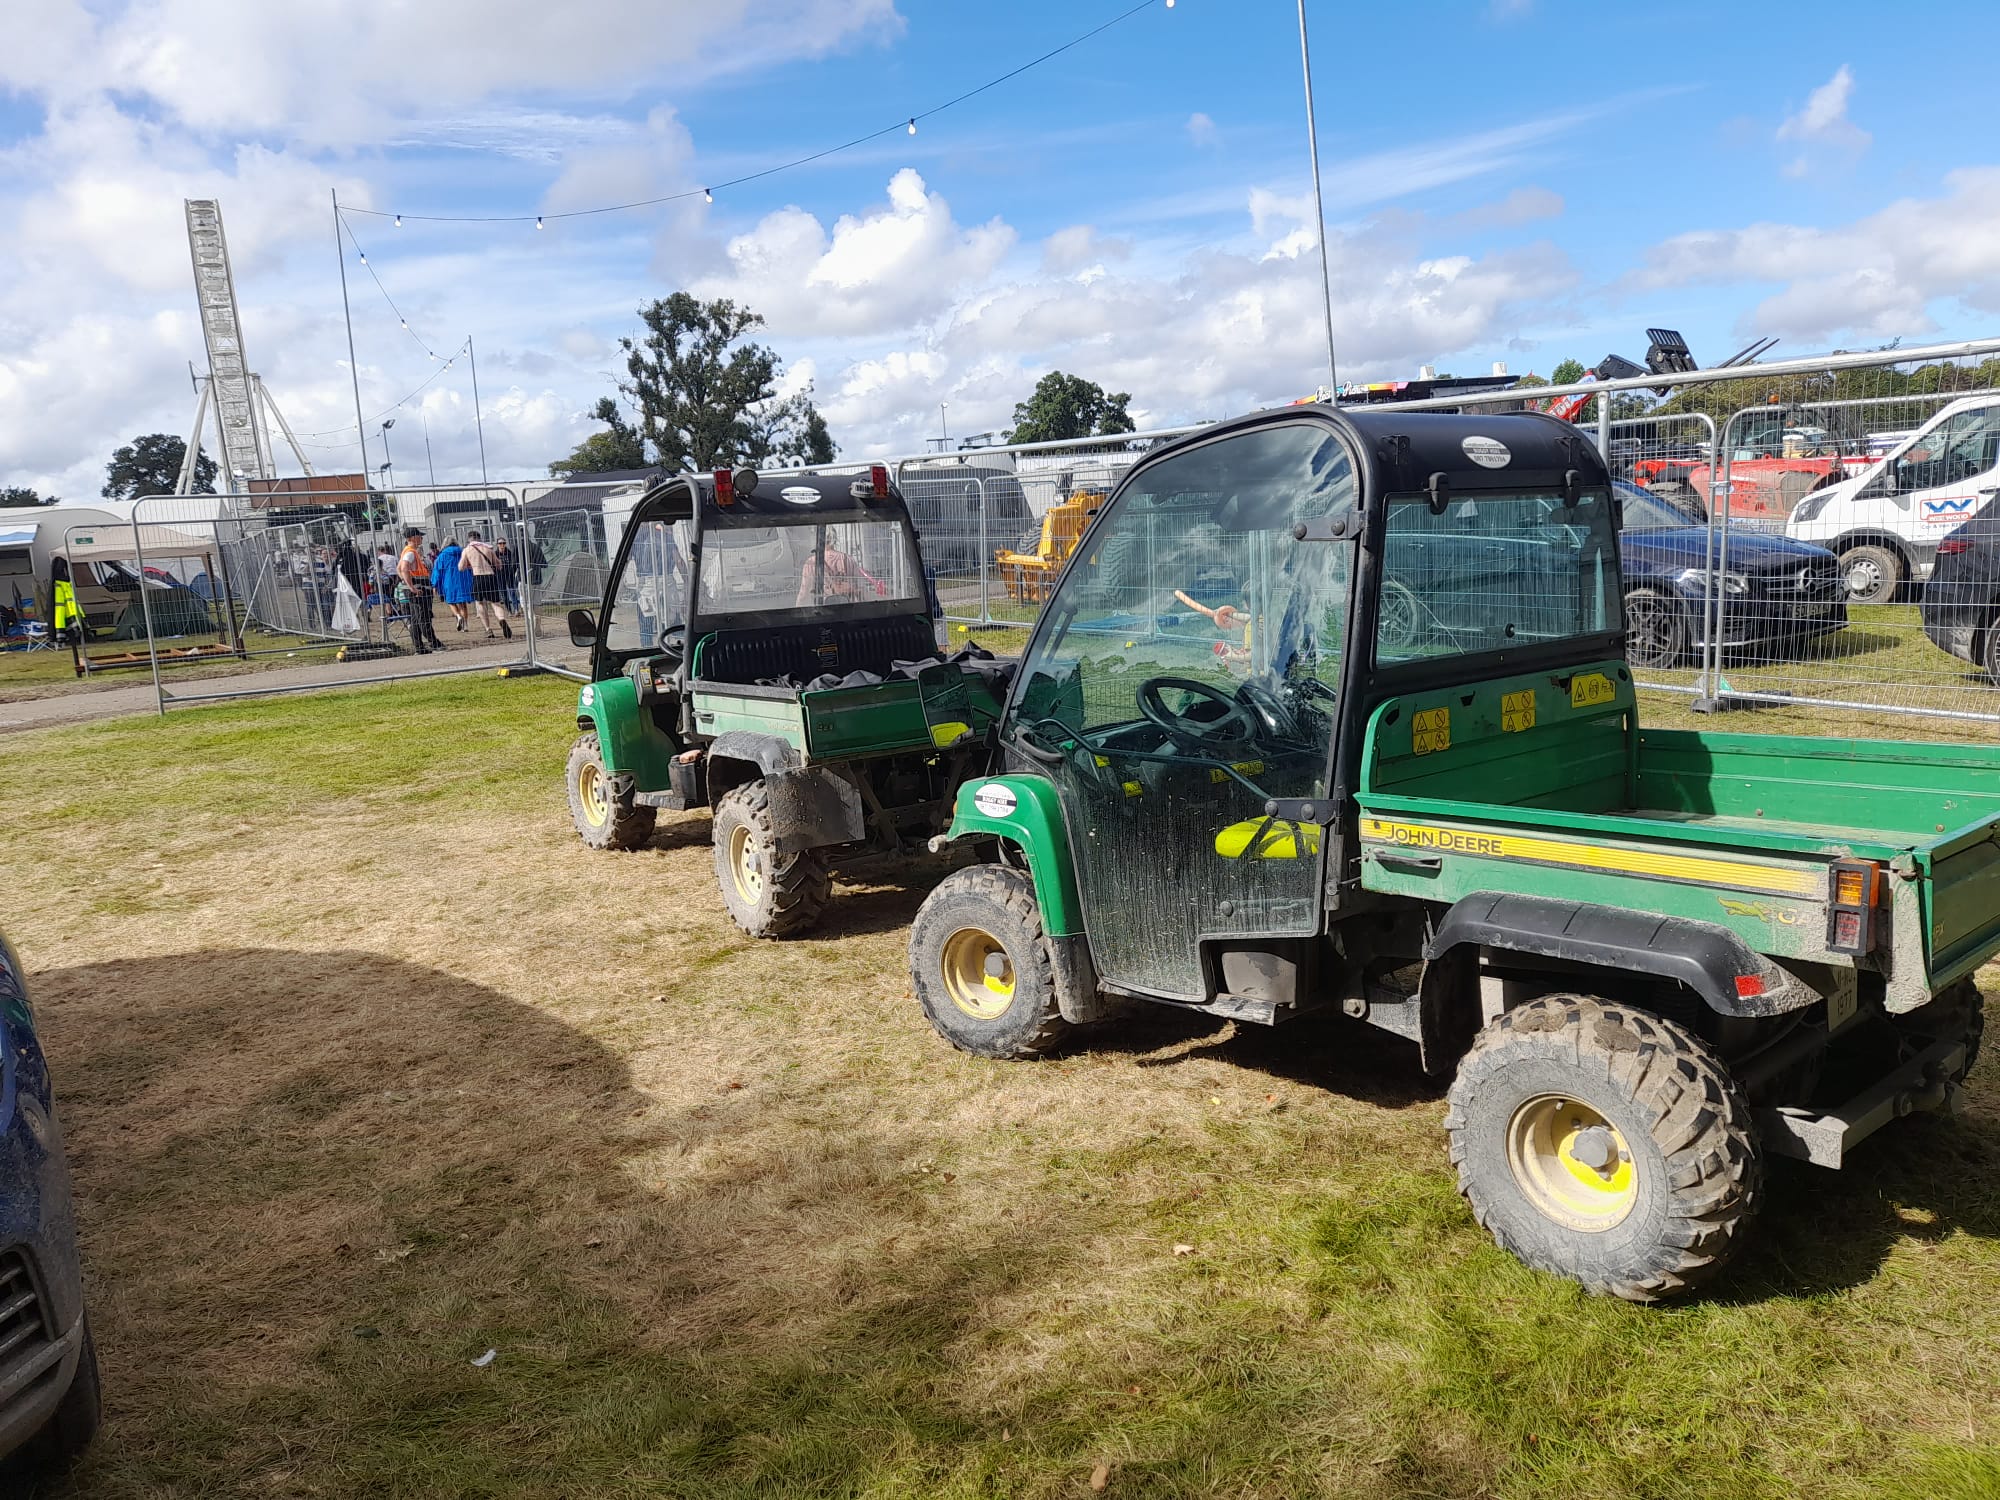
[1695, 581]
[1809, 507]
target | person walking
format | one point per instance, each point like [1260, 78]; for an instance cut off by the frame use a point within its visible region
[507, 564]
[453, 586]
[413, 592]
[483, 564]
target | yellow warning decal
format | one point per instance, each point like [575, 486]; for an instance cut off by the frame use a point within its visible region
[1430, 730]
[1517, 711]
[1588, 689]
[1735, 873]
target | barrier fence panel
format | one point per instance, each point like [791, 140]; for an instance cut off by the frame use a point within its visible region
[242, 599]
[568, 555]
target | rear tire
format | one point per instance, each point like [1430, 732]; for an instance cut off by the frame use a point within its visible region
[1873, 574]
[1959, 1010]
[1656, 629]
[1606, 1145]
[600, 803]
[1399, 618]
[1989, 652]
[980, 964]
[767, 894]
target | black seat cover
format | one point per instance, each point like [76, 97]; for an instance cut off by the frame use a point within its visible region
[803, 652]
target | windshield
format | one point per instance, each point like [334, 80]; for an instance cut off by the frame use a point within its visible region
[1641, 509]
[1495, 572]
[757, 569]
[651, 601]
[1195, 575]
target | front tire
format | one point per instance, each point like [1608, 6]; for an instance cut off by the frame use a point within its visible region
[600, 804]
[981, 966]
[1989, 652]
[1606, 1145]
[767, 894]
[1873, 574]
[1656, 628]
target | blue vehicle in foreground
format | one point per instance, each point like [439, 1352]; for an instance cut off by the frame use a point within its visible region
[49, 1402]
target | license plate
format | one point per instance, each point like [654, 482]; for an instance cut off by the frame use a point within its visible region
[1817, 611]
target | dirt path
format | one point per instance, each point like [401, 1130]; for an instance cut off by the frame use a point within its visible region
[95, 703]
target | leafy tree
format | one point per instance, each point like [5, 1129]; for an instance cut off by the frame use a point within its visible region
[793, 434]
[17, 495]
[151, 465]
[622, 447]
[1066, 407]
[1569, 372]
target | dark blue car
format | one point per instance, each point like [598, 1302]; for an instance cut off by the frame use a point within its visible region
[48, 1368]
[1778, 593]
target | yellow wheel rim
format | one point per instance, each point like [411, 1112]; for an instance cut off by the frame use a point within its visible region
[746, 867]
[592, 795]
[1571, 1163]
[977, 974]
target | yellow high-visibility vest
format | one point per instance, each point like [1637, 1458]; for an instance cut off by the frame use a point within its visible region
[66, 612]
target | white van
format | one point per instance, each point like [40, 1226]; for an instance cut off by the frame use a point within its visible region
[1886, 521]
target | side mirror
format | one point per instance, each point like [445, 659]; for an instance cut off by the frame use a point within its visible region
[582, 628]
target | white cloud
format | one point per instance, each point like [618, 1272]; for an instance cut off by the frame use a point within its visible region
[1521, 206]
[1876, 276]
[1824, 119]
[341, 70]
[876, 272]
[1201, 129]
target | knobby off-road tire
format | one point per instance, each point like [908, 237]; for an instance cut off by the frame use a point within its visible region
[1606, 1145]
[767, 894]
[980, 964]
[600, 804]
[1958, 1010]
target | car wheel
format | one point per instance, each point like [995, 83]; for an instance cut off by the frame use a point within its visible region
[1989, 652]
[1656, 632]
[1873, 574]
[1398, 625]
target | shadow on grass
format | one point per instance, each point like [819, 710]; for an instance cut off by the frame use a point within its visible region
[316, 1187]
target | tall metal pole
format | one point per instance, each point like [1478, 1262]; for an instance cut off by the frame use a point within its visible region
[1319, 208]
[347, 312]
[429, 461]
[477, 420]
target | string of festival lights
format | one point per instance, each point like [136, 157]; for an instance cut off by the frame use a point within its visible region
[908, 124]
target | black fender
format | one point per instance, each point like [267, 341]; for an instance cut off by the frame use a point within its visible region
[811, 807]
[1708, 959]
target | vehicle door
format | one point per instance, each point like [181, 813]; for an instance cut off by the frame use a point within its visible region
[1947, 475]
[1184, 678]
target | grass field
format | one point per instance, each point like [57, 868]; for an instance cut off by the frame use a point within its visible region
[368, 1067]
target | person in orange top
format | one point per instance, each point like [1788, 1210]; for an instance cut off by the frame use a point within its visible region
[413, 585]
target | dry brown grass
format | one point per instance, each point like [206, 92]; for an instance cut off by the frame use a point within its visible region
[367, 1072]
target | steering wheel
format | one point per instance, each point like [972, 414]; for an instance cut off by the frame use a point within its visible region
[1197, 735]
[1280, 718]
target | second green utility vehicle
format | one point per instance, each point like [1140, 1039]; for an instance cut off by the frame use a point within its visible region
[1648, 958]
[766, 649]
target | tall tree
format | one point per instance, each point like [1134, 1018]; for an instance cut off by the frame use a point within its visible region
[151, 465]
[792, 433]
[1065, 407]
[623, 446]
[17, 495]
[695, 379]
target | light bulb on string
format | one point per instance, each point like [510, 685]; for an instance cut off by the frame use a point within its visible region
[913, 126]
[399, 221]
[707, 196]
[538, 221]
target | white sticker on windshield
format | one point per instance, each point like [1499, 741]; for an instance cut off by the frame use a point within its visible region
[995, 800]
[798, 494]
[1488, 453]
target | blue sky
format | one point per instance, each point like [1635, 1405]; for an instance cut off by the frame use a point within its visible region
[1515, 181]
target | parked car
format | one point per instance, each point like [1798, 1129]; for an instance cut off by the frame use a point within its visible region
[1961, 607]
[48, 1367]
[1779, 592]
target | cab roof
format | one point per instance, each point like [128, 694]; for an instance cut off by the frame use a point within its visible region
[778, 500]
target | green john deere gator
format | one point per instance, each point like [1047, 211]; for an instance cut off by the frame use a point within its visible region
[1648, 959]
[766, 649]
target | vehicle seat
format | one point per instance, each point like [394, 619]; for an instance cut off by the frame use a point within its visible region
[803, 652]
